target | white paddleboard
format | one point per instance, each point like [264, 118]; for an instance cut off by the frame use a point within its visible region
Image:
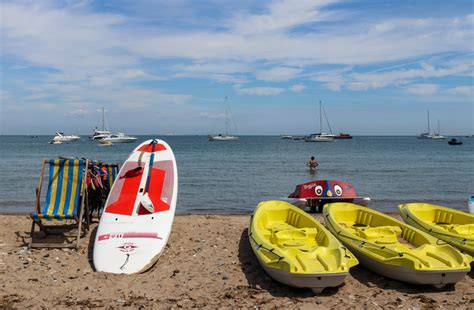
[139, 212]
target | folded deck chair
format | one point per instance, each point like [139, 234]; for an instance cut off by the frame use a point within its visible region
[64, 205]
[112, 172]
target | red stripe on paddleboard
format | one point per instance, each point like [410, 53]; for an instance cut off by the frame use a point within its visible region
[148, 148]
[141, 235]
[104, 237]
[130, 235]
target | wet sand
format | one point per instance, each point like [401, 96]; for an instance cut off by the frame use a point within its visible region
[208, 263]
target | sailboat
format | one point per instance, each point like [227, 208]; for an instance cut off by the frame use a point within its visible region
[100, 134]
[426, 135]
[437, 135]
[321, 136]
[226, 136]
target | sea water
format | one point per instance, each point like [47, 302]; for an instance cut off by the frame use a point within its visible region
[232, 177]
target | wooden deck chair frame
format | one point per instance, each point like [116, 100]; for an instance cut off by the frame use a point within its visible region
[82, 221]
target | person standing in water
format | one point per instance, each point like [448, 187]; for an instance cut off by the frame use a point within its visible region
[312, 164]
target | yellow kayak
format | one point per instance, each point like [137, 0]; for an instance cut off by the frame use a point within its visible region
[453, 226]
[295, 249]
[393, 248]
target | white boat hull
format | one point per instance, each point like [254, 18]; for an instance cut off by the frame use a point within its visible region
[223, 138]
[429, 277]
[316, 282]
[118, 140]
[319, 139]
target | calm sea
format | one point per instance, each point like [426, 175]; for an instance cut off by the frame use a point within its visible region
[232, 177]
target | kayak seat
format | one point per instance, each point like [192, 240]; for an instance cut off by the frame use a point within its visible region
[463, 230]
[442, 216]
[285, 235]
[381, 234]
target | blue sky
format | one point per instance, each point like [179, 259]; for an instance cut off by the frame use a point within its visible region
[166, 66]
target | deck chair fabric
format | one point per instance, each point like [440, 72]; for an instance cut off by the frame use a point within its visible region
[64, 197]
[112, 172]
[64, 190]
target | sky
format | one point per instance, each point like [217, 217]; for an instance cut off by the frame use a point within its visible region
[166, 66]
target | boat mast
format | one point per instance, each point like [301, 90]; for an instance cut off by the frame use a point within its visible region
[103, 119]
[428, 121]
[438, 128]
[226, 117]
[327, 120]
[320, 118]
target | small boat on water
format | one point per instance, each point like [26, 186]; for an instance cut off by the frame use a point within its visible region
[343, 136]
[452, 226]
[455, 142]
[286, 137]
[106, 143]
[431, 136]
[61, 137]
[226, 136]
[222, 137]
[321, 136]
[295, 249]
[118, 138]
[100, 134]
[394, 249]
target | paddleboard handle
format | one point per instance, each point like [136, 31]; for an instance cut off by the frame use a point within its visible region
[145, 200]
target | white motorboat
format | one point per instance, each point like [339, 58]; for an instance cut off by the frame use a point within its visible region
[286, 137]
[321, 136]
[226, 136]
[118, 138]
[61, 137]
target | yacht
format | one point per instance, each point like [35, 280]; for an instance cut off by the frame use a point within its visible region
[61, 137]
[226, 136]
[100, 134]
[118, 138]
[437, 135]
[428, 134]
[286, 137]
[321, 136]
[221, 137]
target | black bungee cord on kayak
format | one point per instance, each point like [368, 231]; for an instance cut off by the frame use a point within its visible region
[260, 246]
[463, 239]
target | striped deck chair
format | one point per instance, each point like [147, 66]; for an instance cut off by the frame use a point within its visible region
[64, 202]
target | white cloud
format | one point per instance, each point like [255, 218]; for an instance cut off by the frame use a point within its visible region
[81, 111]
[423, 89]
[346, 77]
[297, 88]
[260, 91]
[211, 115]
[278, 74]
[466, 90]
[281, 15]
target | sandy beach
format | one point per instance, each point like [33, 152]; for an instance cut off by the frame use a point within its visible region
[208, 263]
